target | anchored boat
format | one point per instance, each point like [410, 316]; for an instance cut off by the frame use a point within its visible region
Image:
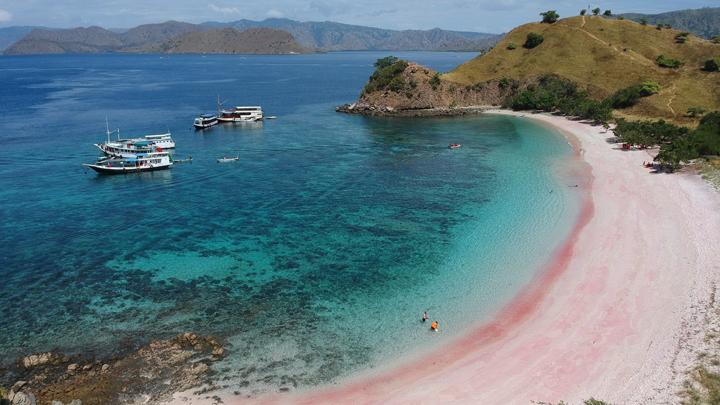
[205, 121]
[132, 163]
[143, 144]
[228, 159]
[241, 114]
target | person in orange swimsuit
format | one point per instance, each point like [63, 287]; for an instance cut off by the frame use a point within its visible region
[434, 326]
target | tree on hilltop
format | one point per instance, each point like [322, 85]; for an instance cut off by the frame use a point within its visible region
[607, 13]
[550, 16]
[385, 62]
[596, 11]
[583, 11]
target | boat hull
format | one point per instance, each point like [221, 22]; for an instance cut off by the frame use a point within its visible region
[205, 125]
[126, 170]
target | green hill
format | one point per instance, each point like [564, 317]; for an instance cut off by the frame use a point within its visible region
[704, 22]
[603, 56]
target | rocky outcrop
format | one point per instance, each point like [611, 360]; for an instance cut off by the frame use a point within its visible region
[422, 92]
[41, 359]
[153, 372]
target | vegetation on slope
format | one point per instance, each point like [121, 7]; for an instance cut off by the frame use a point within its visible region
[677, 144]
[704, 22]
[387, 75]
[602, 56]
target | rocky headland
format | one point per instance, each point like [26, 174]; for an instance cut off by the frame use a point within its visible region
[407, 89]
[149, 374]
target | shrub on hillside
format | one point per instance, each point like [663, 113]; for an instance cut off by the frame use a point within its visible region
[511, 46]
[643, 21]
[387, 75]
[435, 81]
[550, 17]
[682, 37]
[694, 112]
[716, 39]
[712, 65]
[596, 11]
[664, 61]
[533, 39]
[608, 13]
[629, 96]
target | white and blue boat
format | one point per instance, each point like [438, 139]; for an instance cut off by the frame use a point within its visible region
[132, 163]
[205, 121]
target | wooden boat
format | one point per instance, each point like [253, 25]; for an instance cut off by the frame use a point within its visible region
[132, 163]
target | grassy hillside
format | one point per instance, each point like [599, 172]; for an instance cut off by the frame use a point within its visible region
[603, 56]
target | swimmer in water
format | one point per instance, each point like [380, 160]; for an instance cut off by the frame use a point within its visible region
[425, 317]
[434, 326]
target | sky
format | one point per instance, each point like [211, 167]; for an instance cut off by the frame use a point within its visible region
[494, 16]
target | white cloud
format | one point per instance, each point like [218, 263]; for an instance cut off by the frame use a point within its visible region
[224, 9]
[5, 16]
[273, 13]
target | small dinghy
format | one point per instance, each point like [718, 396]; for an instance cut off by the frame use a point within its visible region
[228, 159]
[187, 160]
[454, 146]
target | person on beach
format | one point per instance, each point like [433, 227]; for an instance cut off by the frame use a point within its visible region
[425, 317]
[434, 326]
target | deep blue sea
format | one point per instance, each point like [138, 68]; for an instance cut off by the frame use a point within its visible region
[312, 257]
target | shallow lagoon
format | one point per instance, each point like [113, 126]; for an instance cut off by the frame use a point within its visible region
[313, 256]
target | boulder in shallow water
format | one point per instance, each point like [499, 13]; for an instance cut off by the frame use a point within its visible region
[40, 359]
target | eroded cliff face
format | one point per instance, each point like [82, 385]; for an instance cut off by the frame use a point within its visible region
[418, 91]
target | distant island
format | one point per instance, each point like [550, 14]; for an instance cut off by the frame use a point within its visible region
[322, 36]
[230, 41]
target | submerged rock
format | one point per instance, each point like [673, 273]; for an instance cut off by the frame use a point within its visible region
[41, 359]
[154, 372]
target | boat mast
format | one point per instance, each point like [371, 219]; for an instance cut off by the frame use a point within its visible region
[107, 129]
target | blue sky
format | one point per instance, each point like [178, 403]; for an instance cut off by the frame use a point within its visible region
[468, 15]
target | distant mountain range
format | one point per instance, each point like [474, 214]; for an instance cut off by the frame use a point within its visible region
[230, 41]
[703, 22]
[324, 36]
[332, 36]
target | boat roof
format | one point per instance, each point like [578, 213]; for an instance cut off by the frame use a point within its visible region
[248, 107]
[207, 116]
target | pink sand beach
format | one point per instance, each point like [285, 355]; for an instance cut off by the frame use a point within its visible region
[619, 314]
[615, 316]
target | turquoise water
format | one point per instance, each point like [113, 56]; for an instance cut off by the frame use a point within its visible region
[313, 257]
